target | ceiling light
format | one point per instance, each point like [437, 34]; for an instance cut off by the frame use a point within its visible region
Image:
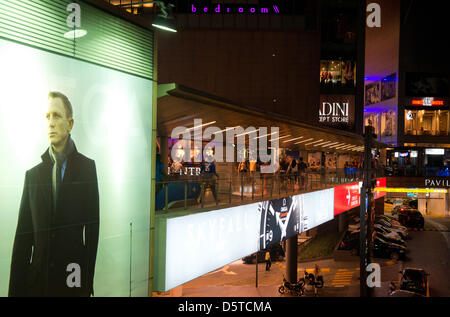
[313, 142]
[293, 139]
[322, 143]
[163, 21]
[304, 141]
[281, 137]
[330, 144]
[199, 126]
[247, 132]
[261, 136]
[225, 130]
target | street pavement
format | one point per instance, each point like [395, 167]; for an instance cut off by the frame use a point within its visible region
[428, 249]
[341, 279]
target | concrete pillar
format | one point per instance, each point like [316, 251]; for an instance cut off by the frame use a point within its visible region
[164, 150]
[342, 222]
[379, 206]
[291, 259]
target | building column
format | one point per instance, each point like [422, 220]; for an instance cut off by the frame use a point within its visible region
[291, 259]
[341, 222]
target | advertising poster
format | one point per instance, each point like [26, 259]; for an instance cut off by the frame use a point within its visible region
[280, 219]
[75, 177]
[346, 197]
[314, 161]
[331, 161]
[316, 208]
[388, 87]
[381, 182]
[372, 93]
[197, 244]
[200, 243]
[388, 123]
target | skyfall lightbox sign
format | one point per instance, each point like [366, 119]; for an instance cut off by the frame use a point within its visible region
[337, 111]
[196, 244]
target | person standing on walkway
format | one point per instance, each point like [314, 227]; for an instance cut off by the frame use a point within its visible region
[268, 262]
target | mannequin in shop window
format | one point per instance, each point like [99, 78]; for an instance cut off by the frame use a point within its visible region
[208, 173]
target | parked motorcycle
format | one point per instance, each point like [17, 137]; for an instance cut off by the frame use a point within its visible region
[310, 279]
[296, 289]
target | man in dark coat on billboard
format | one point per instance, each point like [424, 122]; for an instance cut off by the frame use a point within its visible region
[55, 245]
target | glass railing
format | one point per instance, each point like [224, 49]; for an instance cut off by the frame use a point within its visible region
[184, 193]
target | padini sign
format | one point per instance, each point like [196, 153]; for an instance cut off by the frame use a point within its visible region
[337, 111]
[334, 112]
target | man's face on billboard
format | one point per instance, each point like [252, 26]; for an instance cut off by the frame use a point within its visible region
[58, 125]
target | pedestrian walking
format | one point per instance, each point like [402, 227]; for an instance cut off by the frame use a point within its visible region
[268, 261]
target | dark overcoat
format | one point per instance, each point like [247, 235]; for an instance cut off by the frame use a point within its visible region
[49, 240]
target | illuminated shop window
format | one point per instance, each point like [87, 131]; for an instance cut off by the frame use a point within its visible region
[443, 122]
[338, 73]
[410, 122]
[426, 122]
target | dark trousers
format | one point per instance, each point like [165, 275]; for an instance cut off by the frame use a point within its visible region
[268, 265]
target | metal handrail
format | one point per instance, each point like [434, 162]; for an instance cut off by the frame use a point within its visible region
[253, 187]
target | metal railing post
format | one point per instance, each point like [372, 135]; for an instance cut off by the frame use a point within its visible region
[231, 189]
[185, 195]
[279, 184]
[202, 197]
[216, 189]
[166, 186]
[242, 187]
[271, 185]
[253, 187]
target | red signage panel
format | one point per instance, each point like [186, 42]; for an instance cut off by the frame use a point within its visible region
[381, 182]
[346, 197]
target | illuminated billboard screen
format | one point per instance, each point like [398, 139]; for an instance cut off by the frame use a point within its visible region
[316, 208]
[200, 243]
[75, 176]
[280, 219]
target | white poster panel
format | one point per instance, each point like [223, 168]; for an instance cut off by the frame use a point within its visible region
[201, 243]
[112, 113]
[316, 208]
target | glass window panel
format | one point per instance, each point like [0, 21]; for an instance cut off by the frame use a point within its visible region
[427, 122]
[443, 122]
[410, 122]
